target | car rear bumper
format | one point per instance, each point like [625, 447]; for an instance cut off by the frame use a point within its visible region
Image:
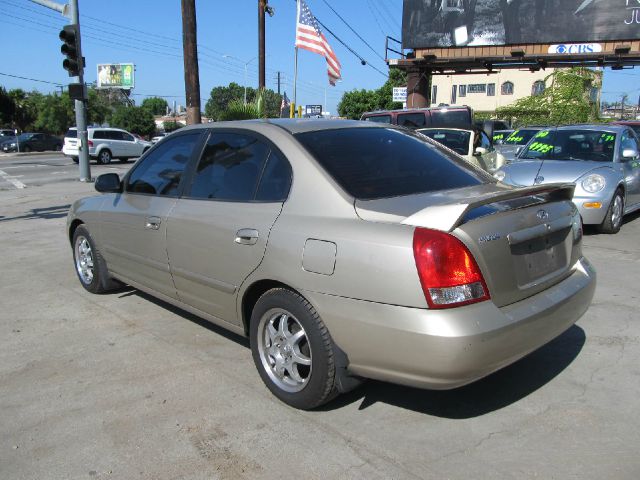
[444, 349]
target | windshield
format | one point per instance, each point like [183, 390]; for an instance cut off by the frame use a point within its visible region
[636, 128]
[456, 140]
[387, 162]
[520, 137]
[575, 144]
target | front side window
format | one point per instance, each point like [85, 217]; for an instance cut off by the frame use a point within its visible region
[160, 172]
[382, 162]
[379, 119]
[628, 141]
[507, 88]
[456, 140]
[127, 137]
[229, 168]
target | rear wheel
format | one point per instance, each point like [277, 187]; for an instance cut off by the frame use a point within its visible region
[90, 266]
[104, 157]
[292, 349]
[75, 159]
[26, 149]
[613, 219]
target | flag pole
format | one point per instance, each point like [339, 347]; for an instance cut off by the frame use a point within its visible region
[292, 107]
[295, 82]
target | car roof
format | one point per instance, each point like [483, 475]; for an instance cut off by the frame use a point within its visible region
[292, 125]
[421, 109]
[589, 126]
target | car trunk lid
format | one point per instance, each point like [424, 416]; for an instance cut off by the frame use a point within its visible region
[524, 240]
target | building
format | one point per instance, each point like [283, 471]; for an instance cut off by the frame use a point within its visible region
[486, 92]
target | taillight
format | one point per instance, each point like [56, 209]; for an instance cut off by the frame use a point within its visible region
[449, 275]
[90, 143]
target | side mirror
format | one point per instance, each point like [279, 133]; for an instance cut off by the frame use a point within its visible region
[108, 183]
[480, 151]
[629, 153]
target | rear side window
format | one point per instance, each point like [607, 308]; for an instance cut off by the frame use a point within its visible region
[230, 167]
[100, 134]
[379, 119]
[276, 179]
[385, 162]
[411, 120]
[160, 172]
[441, 118]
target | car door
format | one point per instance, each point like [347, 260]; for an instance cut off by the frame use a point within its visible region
[130, 148]
[630, 167]
[217, 232]
[133, 223]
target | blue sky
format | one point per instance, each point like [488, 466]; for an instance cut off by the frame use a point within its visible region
[148, 33]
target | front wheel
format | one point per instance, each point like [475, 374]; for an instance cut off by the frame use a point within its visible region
[292, 349]
[90, 266]
[104, 157]
[75, 159]
[613, 219]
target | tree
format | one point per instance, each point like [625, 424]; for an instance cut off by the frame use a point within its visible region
[55, 113]
[156, 105]
[238, 110]
[356, 102]
[7, 108]
[170, 126]
[26, 107]
[134, 119]
[221, 97]
[566, 100]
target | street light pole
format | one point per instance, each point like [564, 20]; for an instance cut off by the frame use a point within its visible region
[246, 65]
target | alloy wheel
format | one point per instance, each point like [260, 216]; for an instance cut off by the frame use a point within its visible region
[616, 211]
[285, 351]
[84, 260]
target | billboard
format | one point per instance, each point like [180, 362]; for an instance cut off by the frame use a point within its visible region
[116, 75]
[458, 23]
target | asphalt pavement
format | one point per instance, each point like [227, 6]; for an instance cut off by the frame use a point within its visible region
[123, 386]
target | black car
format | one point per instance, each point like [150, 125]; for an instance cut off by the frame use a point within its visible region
[32, 142]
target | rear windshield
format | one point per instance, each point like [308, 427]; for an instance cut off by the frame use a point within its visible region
[373, 163]
[71, 133]
[379, 119]
[442, 118]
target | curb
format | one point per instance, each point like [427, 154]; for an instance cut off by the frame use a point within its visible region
[25, 154]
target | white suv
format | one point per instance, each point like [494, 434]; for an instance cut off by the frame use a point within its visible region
[105, 144]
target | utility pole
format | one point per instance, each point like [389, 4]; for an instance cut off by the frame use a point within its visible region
[190, 53]
[279, 83]
[262, 6]
[624, 98]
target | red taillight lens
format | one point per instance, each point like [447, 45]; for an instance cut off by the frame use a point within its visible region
[449, 275]
[90, 142]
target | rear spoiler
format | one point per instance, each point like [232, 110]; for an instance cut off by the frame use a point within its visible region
[448, 217]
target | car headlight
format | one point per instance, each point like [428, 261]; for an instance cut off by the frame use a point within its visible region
[499, 175]
[593, 183]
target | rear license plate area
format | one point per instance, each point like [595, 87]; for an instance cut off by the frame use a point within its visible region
[540, 257]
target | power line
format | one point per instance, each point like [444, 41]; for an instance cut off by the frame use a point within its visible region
[351, 28]
[375, 18]
[389, 13]
[31, 79]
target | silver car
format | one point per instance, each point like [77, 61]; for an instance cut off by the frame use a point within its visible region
[602, 161]
[343, 250]
[513, 143]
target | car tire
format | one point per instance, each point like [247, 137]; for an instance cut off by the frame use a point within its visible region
[26, 149]
[90, 266]
[292, 349]
[57, 148]
[75, 159]
[613, 218]
[104, 157]
[124, 160]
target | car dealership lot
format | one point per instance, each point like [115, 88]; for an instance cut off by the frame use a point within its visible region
[124, 386]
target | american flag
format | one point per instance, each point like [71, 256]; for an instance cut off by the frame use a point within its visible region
[310, 37]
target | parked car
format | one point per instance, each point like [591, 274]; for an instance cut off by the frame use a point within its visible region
[423, 117]
[603, 162]
[31, 142]
[514, 143]
[343, 250]
[106, 144]
[499, 136]
[6, 132]
[158, 137]
[634, 124]
[471, 143]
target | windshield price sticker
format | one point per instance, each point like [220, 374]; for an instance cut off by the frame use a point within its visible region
[542, 134]
[607, 137]
[540, 147]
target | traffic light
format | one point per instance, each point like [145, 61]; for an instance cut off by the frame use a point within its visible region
[71, 48]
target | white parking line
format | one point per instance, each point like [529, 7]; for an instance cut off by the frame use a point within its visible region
[12, 180]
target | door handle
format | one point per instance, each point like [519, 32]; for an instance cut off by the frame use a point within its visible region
[247, 236]
[152, 223]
